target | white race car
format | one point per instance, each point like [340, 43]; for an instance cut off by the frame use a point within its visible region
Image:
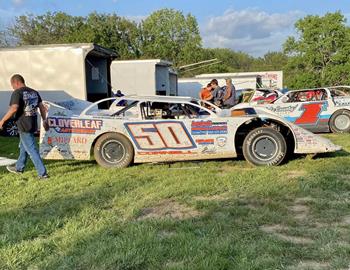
[318, 110]
[159, 128]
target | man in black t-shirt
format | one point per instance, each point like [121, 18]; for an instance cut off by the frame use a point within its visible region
[23, 106]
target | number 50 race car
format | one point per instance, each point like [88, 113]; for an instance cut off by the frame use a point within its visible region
[159, 128]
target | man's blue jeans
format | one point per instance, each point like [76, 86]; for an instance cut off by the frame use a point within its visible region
[27, 147]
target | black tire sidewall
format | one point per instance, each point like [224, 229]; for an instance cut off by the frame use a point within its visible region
[332, 126]
[129, 150]
[251, 157]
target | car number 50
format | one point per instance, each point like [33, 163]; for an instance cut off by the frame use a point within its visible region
[160, 135]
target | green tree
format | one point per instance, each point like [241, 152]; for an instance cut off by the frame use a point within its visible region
[320, 54]
[108, 30]
[270, 61]
[168, 34]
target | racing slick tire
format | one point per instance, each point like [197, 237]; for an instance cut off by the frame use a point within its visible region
[340, 122]
[113, 150]
[264, 146]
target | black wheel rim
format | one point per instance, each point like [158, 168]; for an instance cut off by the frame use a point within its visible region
[264, 148]
[113, 151]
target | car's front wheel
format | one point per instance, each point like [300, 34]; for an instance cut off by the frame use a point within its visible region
[113, 150]
[264, 146]
[340, 122]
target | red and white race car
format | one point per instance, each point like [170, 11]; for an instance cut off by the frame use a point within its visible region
[318, 110]
[257, 96]
[157, 129]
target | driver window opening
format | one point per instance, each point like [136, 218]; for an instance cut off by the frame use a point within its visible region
[307, 96]
[164, 110]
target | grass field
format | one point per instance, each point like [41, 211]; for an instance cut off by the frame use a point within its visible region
[188, 215]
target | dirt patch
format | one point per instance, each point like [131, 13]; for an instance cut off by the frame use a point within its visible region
[300, 212]
[345, 221]
[319, 225]
[273, 228]
[310, 265]
[169, 209]
[303, 200]
[295, 174]
[276, 230]
[217, 197]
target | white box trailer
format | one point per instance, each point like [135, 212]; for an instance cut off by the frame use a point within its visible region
[241, 80]
[59, 72]
[144, 77]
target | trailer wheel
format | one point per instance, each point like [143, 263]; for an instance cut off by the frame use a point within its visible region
[113, 150]
[264, 146]
[340, 122]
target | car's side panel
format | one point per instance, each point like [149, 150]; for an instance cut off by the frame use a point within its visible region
[187, 139]
[313, 116]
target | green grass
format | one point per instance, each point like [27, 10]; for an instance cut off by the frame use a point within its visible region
[188, 215]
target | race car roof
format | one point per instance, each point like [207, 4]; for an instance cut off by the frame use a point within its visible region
[159, 98]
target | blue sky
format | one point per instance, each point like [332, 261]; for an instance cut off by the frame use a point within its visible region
[252, 26]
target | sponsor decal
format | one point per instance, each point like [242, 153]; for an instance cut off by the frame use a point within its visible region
[81, 126]
[208, 127]
[342, 102]
[208, 150]
[221, 141]
[282, 109]
[160, 135]
[66, 140]
[205, 141]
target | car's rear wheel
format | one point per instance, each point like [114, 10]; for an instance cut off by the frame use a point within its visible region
[113, 150]
[264, 146]
[340, 122]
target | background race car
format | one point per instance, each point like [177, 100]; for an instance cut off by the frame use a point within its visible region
[257, 96]
[318, 110]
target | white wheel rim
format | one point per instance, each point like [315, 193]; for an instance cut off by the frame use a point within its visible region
[342, 122]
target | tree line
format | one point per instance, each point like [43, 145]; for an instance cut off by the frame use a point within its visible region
[317, 56]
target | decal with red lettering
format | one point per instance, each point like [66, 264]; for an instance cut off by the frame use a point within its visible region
[160, 135]
[66, 140]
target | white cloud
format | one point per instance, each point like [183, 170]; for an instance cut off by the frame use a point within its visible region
[250, 30]
[18, 2]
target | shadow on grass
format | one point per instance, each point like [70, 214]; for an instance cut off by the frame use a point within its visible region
[341, 153]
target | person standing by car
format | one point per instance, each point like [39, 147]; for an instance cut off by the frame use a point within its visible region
[206, 93]
[24, 104]
[229, 98]
[218, 92]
